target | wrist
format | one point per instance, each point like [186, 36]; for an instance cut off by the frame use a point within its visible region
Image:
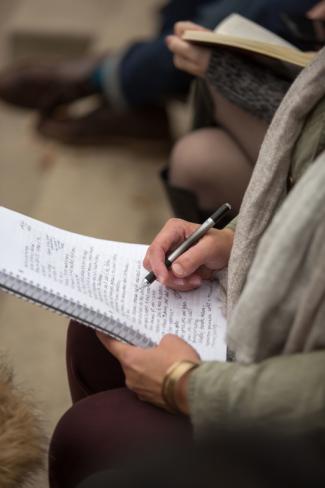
[181, 398]
[174, 386]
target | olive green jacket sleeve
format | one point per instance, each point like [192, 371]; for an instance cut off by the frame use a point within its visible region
[282, 391]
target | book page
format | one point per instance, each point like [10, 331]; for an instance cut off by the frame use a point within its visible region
[287, 61]
[237, 26]
[105, 276]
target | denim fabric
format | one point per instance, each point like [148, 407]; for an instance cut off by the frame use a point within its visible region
[145, 73]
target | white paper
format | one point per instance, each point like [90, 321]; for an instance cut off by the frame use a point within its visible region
[105, 276]
[236, 25]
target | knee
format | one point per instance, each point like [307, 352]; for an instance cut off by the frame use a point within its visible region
[89, 436]
[77, 445]
[196, 156]
[184, 163]
[66, 454]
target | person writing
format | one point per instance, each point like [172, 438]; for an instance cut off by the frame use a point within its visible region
[275, 258]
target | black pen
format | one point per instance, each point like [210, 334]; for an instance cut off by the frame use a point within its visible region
[191, 240]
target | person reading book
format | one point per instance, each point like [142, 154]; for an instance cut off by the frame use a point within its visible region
[240, 95]
[132, 87]
[275, 298]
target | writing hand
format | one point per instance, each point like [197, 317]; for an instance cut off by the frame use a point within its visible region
[210, 254]
[145, 368]
[187, 56]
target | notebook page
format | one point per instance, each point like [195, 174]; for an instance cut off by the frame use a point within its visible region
[105, 277]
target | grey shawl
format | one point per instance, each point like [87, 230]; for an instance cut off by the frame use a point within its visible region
[277, 310]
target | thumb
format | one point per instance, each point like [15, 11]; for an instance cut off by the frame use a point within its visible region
[317, 12]
[198, 255]
[181, 26]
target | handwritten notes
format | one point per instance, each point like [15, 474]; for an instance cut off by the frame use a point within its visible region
[105, 276]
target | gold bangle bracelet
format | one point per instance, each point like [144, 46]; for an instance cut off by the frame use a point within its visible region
[173, 375]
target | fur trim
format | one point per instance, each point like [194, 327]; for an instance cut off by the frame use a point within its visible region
[21, 437]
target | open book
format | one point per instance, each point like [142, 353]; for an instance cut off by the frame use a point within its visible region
[238, 33]
[97, 282]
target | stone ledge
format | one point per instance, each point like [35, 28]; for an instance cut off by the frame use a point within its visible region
[41, 28]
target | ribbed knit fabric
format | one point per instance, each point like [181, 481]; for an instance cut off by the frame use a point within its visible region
[248, 85]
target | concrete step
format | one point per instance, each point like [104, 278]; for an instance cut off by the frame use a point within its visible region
[112, 193]
[42, 28]
[23, 160]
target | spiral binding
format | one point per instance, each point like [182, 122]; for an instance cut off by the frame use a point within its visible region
[30, 291]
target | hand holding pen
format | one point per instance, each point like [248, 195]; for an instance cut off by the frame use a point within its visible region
[194, 262]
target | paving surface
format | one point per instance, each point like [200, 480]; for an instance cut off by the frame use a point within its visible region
[89, 191]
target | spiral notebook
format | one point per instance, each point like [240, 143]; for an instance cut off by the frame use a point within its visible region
[97, 282]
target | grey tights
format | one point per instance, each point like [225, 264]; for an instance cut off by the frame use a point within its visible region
[216, 163]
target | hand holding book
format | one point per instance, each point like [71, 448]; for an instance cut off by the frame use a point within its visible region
[239, 34]
[188, 57]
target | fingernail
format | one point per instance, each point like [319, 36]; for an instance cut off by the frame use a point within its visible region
[178, 269]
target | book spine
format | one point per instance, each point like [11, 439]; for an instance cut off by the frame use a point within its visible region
[46, 298]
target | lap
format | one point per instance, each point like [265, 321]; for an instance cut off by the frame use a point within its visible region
[104, 429]
[107, 422]
[91, 368]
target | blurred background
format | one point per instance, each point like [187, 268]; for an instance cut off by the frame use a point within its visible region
[111, 192]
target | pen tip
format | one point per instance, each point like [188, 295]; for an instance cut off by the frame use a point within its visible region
[144, 285]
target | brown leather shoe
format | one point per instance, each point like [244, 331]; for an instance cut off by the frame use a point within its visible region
[104, 125]
[45, 86]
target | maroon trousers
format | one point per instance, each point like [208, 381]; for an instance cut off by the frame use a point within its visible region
[107, 423]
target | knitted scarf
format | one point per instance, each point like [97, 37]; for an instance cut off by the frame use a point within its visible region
[274, 288]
